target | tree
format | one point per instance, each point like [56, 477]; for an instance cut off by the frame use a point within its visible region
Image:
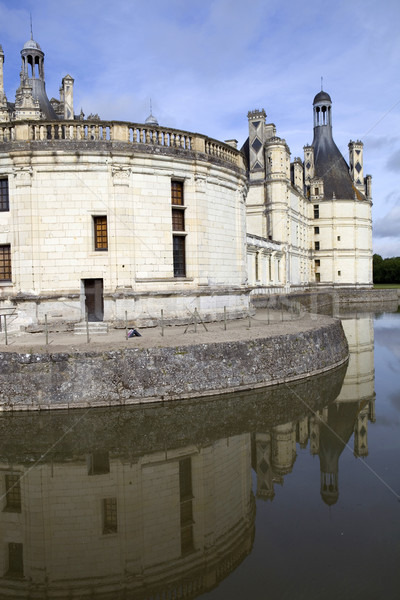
[386, 270]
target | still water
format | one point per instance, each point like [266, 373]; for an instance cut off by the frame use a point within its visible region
[287, 493]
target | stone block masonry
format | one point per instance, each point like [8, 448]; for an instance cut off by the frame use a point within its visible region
[136, 375]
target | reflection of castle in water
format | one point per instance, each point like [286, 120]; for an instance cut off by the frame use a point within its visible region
[102, 525]
[330, 428]
[157, 502]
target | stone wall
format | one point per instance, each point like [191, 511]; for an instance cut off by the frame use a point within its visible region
[131, 376]
[65, 196]
[331, 301]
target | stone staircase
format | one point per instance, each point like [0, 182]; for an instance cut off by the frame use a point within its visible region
[95, 328]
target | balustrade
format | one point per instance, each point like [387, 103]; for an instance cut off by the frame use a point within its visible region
[101, 131]
[7, 133]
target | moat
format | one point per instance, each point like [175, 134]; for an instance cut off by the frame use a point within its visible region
[286, 492]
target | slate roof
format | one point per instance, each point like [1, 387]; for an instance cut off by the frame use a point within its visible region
[330, 164]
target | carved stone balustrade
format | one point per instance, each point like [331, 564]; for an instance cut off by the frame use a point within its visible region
[118, 132]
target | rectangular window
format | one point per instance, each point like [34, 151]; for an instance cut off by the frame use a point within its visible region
[177, 193]
[178, 220]
[100, 233]
[317, 191]
[316, 211]
[179, 255]
[98, 463]
[338, 238]
[4, 201]
[257, 266]
[317, 263]
[316, 230]
[339, 273]
[178, 224]
[13, 493]
[316, 245]
[15, 560]
[110, 523]
[5, 262]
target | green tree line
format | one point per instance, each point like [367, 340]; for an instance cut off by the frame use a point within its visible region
[386, 270]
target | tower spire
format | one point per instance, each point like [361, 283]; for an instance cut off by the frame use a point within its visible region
[31, 26]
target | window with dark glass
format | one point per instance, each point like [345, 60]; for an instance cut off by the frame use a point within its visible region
[13, 492]
[5, 262]
[317, 263]
[179, 256]
[178, 220]
[110, 523]
[100, 233]
[4, 200]
[98, 463]
[15, 560]
[178, 225]
[316, 244]
[316, 230]
[316, 211]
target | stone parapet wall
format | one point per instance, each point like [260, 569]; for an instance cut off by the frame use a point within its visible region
[329, 301]
[136, 375]
[45, 134]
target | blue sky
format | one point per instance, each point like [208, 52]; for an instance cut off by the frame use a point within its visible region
[206, 63]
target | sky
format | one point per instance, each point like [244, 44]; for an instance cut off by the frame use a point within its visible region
[204, 64]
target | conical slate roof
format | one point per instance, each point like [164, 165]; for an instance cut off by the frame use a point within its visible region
[329, 162]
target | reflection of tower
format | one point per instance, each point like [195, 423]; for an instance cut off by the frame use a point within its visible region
[302, 432]
[334, 435]
[360, 432]
[274, 454]
[263, 468]
[283, 448]
[358, 385]
[314, 434]
[351, 410]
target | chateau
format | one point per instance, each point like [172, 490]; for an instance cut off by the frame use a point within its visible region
[118, 220]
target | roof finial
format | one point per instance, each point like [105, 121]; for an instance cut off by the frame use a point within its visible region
[31, 27]
[322, 84]
[151, 120]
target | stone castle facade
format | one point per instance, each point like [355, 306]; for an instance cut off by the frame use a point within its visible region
[120, 221]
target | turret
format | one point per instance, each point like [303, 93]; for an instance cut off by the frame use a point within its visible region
[368, 187]
[4, 116]
[2, 94]
[308, 163]
[356, 164]
[67, 96]
[329, 163]
[32, 75]
[296, 170]
[256, 144]
[322, 110]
